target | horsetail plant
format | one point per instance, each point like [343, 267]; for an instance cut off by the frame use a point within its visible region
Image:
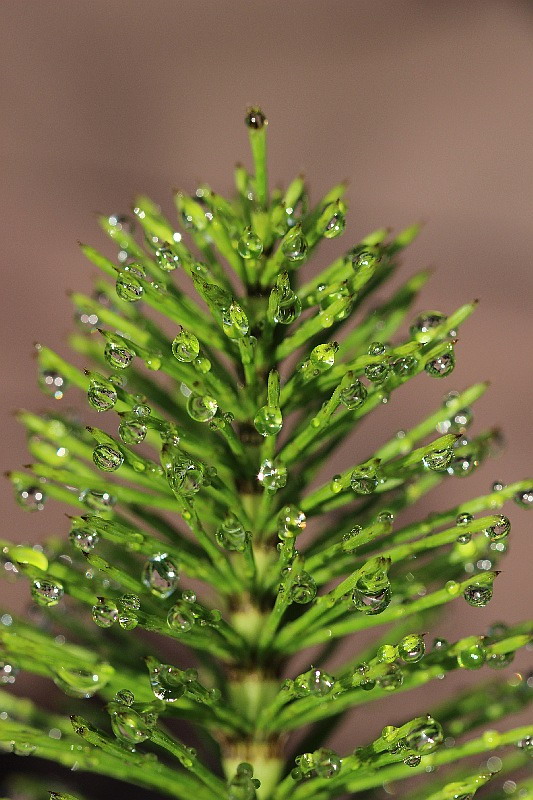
[221, 400]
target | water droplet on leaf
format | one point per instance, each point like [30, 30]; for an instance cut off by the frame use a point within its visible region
[185, 346]
[105, 613]
[249, 245]
[478, 594]
[201, 407]
[354, 395]
[118, 356]
[272, 475]
[106, 458]
[101, 395]
[46, 593]
[231, 534]
[441, 366]
[268, 421]
[303, 589]
[160, 575]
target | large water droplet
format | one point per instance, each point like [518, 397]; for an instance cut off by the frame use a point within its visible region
[97, 501]
[378, 371]
[53, 383]
[303, 589]
[363, 256]
[288, 309]
[268, 421]
[107, 458]
[128, 285]
[424, 324]
[291, 522]
[118, 356]
[478, 594]
[167, 682]
[371, 602]
[472, 657]
[105, 613]
[363, 479]
[255, 119]
[441, 366]
[131, 727]
[46, 593]
[249, 245]
[132, 430]
[294, 247]
[326, 763]
[322, 357]
[84, 538]
[201, 407]
[354, 395]
[231, 534]
[272, 475]
[30, 498]
[404, 366]
[499, 530]
[185, 346]
[166, 259]
[336, 223]
[426, 737]
[160, 574]
[242, 786]
[411, 648]
[101, 395]
[390, 680]
[82, 683]
[438, 460]
[235, 322]
[185, 476]
[341, 293]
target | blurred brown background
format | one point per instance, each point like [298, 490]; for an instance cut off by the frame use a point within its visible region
[427, 107]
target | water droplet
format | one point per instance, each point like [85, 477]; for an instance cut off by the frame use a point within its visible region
[441, 366]
[130, 602]
[303, 589]
[500, 660]
[294, 246]
[202, 364]
[524, 498]
[472, 657]
[97, 501]
[354, 395]
[255, 119]
[82, 683]
[185, 476]
[315, 682]
[478, 594]
[31, 498]
[363, 480]
[391, 680]
[452, 587]
[322, 357]
[84, 538]
[160, 574]
[335, 225]
[387, 653]
[412, 761]
[288, 308]
[166, 259]
[272, 475]
[439, 644]
[125, 697]
[105, 613]
[242, 786]
[249, 245]
[127, 620]
[132, 430]
[341, 293]
[464, 538]
[106, 458]
[426, 737]
[326, 763]
[378, 371]
[231, 534]
[167, 682]
[462, 465]
[118, 356]
[404, 366]
[371, 602]
[131, 727]
[412, 648]
[268, 421]
[101, 395]
[464, 519]
[372, 593]
[235, 322]
[128, 285]
[53, 383]
[291, 522]
[201, 407]
[499, 530]
[438, 460]
[424, 324]
[363, 257]
[185, 346]
[46, 593]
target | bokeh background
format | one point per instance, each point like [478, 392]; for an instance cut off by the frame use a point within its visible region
[425, 106]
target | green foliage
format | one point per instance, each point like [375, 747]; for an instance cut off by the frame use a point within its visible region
[220, 407]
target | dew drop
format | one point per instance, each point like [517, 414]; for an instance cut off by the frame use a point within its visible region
[390, 680]
[231, 534]
[107, 458]
[404, 366]
[118, 356]
[291, 522]
[472, 657]
[128, 285]
[412, 761]
[84, 539]
[167, 682]
[268, 421]
[131, 727]
[249, 245]
[104, 613]
[53, 383]
[185, 346]
[294, 246]
[336, 223]
[288, 308]
[160, 575]
[412, 648]
[524, 498]
[235, 322]
[31, 498]
[82, 683]
[255, 119]
[363, 480]
[303, 589]
[478, 594]
[438, 460]
[327, 300]
[425, 323]
[326, 763]
[426, 737]
[354, 395]
[127, 620]
[441, 366]
[125, 697]
[461, 466]
[166, 259]
[387, 653]
[272, 475]
[378, 371]
[201, 407]
[499, 530]
[464, 519]
[46, 593]
[363, 257]
[132, 430]
[130, 602]
[97, 501]
[101, 395]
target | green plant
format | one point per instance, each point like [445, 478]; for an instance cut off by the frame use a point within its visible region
[218, 497]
